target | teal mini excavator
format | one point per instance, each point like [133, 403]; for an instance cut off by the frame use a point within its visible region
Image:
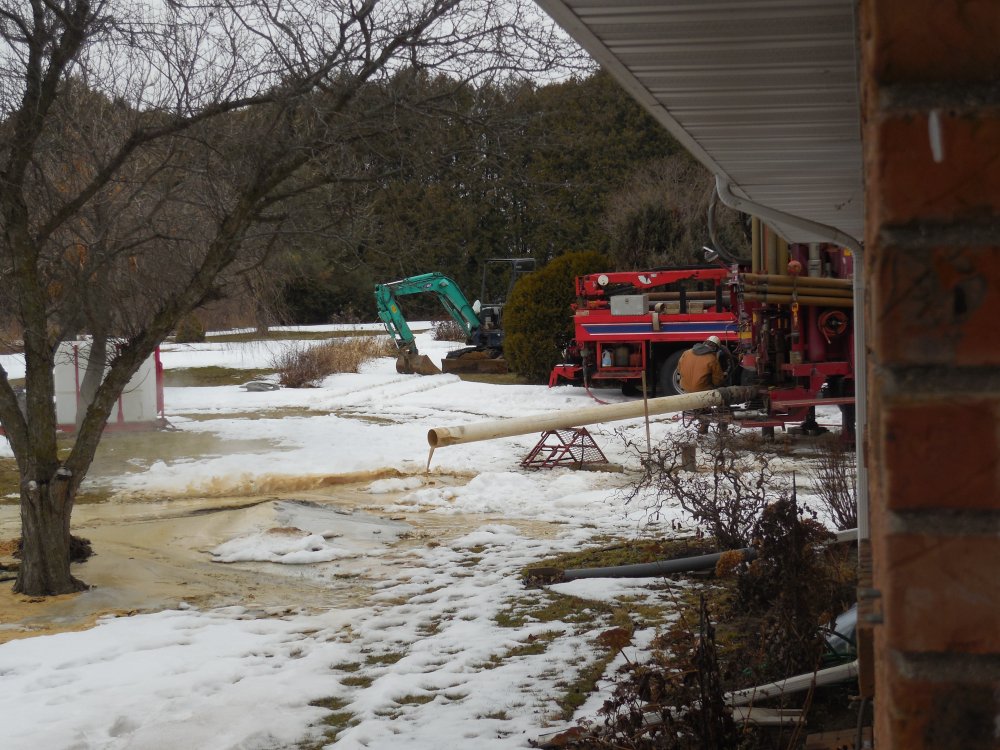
[481, 322]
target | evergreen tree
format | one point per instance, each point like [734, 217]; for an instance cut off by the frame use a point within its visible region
[538, 318]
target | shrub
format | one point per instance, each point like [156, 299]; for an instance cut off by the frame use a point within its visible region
[348, 315]
[833, 477]
[448, 330]
[681, 707]
[538, 319]
[795, 586]
[770, 629]
[726, 497]
[304, 366]
[190, 331]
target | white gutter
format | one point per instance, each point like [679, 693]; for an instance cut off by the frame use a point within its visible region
[837, 237]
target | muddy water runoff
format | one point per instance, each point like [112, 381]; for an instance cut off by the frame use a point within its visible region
[154, 553]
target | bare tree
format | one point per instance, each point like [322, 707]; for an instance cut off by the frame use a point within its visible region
[147, 151]
[660, 217]
[833, 476]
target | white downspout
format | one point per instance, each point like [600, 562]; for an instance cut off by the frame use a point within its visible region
[837, 237]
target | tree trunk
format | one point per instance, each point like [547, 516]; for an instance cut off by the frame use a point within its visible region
[45, 547]
[262, 319]
[92, 376]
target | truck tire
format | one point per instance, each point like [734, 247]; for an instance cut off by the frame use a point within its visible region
[668, 381]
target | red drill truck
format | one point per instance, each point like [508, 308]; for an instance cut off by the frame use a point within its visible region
[789, 333]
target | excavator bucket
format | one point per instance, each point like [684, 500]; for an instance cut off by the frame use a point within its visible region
[408, 363]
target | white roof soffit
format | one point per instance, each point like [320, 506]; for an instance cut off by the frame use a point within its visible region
[762, 92]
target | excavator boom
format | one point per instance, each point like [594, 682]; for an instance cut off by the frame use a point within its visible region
[482, 330]
[448, 294]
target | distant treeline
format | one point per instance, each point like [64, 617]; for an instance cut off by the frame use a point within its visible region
[514, 171]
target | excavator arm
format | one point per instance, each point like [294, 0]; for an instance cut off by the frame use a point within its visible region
[481, 323]
[450, 297]
[392, 317]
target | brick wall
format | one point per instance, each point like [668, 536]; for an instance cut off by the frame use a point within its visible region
[930, 73]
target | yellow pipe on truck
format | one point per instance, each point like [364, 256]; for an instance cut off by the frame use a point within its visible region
[803, 299]
[761, 278]
[815, 291]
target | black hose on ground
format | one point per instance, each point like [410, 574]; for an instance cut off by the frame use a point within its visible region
[656, 568]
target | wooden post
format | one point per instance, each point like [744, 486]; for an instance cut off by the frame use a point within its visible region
[689, 457]
[645, 411]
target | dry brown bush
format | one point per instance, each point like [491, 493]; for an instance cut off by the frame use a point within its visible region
[834, 477]
[725, 497]
[304, 366]
[448, 330]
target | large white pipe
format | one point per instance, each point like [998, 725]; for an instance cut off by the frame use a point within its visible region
[797, 684]
[500, 428]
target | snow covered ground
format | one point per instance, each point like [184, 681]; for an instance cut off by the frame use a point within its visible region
[432, 658]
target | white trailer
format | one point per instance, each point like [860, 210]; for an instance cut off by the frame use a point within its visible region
[139, 407]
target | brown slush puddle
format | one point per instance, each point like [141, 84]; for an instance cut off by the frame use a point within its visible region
[154, 553]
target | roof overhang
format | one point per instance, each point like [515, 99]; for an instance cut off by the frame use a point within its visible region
[764, 93]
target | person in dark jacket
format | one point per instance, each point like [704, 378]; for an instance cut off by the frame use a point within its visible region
[699, 367]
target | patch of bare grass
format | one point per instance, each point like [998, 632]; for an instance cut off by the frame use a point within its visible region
[243, 337]
[211, 376]
[304, 366]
